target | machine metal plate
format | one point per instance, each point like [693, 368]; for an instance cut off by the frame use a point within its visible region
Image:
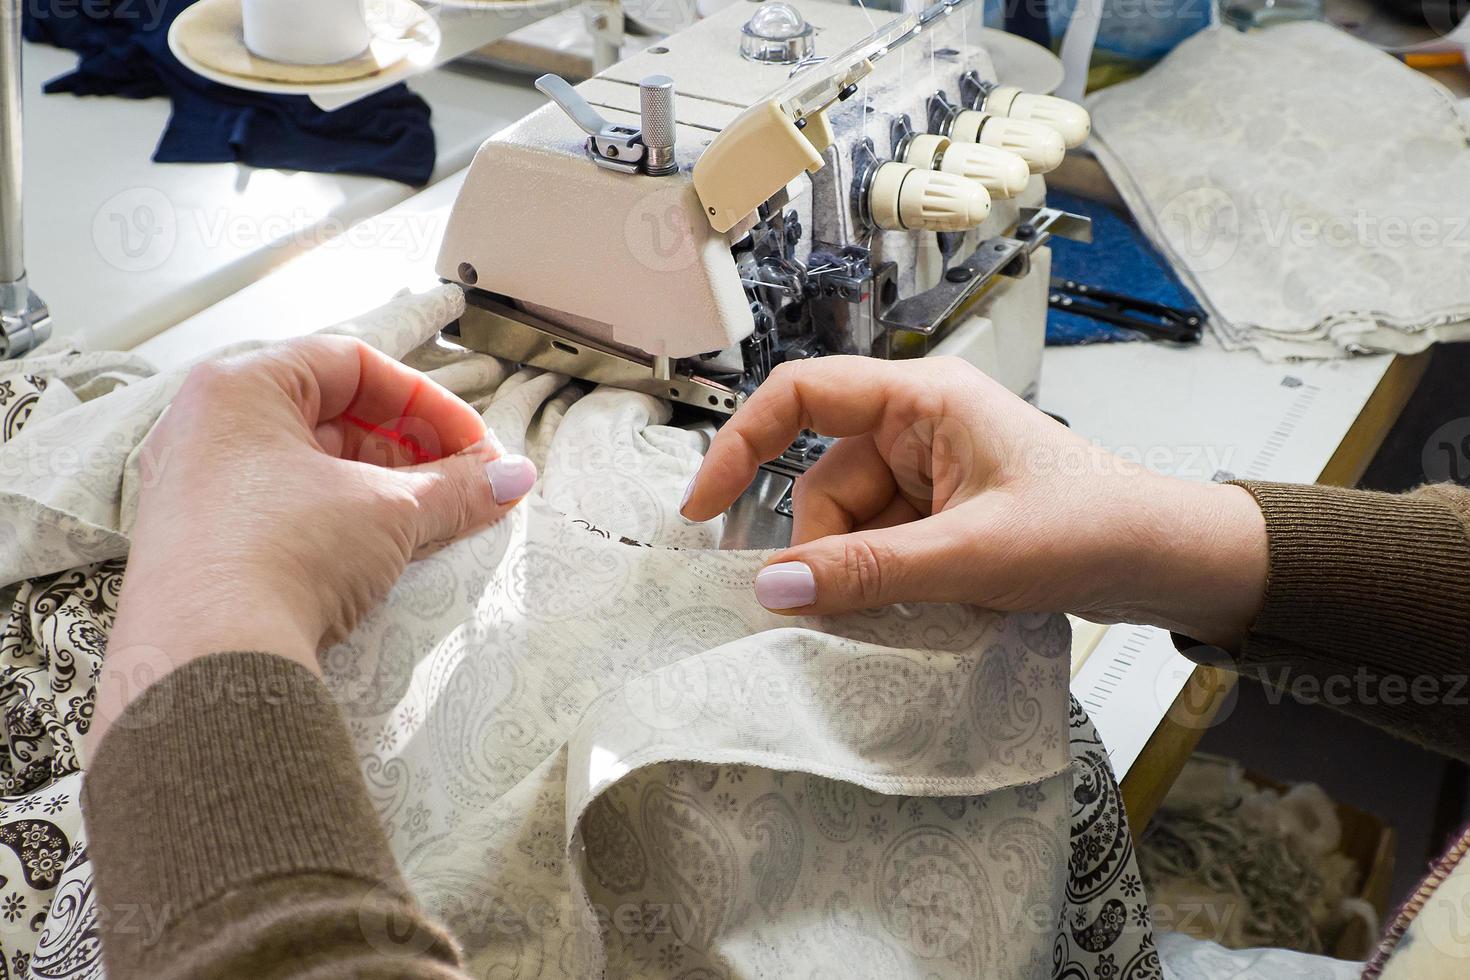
[499, 330]
[1002, 255]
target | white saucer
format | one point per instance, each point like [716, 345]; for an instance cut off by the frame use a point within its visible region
[1022, 63]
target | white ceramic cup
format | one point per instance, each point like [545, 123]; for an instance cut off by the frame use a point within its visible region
[305, 32]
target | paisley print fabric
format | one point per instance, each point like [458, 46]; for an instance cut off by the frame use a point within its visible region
[893, 881]
[52, 636]
[1311, 190]
[1106, 921]
[18, 398]
[51, 646]
[592, 756]
[685, 734]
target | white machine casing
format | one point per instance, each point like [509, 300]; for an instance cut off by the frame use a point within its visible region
[630, 262]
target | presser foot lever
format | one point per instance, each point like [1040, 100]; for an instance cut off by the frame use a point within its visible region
[926, 312]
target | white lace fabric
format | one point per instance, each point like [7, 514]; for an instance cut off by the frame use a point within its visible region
[1312, 191]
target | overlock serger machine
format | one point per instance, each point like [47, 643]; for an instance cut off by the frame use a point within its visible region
[778, 181]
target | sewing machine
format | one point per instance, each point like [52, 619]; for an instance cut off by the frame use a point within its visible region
[778, 181]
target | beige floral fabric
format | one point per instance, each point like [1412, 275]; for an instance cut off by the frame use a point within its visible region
[1312, 191]
[593, 752]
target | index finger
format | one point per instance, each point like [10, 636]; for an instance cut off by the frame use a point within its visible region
[838, 396]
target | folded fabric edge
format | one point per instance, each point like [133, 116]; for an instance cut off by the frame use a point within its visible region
[103, 543]
[781, 763]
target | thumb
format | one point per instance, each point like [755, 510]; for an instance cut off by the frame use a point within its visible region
[915, 562]
[465, 492]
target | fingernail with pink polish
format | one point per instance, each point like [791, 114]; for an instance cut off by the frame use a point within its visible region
[688, 492]
[788, 585]
[511, 477]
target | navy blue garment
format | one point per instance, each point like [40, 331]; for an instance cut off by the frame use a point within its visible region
[1028, 19]
[1119, 259]
[123, 46]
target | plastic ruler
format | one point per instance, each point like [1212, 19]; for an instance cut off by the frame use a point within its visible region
[1128, 676]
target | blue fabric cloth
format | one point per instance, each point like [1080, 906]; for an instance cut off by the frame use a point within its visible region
[1119, 259]
[124, 51]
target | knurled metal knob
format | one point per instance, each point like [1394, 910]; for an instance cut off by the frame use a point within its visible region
[656, 105]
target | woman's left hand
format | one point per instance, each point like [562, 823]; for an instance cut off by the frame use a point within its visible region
[283, 493]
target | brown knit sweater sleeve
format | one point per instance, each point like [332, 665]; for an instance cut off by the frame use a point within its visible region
[231, 835]
[1367, 607]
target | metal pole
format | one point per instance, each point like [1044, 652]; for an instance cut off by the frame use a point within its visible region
[605, 19]
[24, 321]
[12, 262]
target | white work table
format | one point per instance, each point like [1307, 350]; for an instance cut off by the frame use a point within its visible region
[379, 257]
[122, 248]
[1202, 413]
[1196, 412]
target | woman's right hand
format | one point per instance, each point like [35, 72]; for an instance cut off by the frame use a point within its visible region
[944, 486]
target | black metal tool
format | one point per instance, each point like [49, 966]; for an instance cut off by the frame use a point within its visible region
[1155, 320]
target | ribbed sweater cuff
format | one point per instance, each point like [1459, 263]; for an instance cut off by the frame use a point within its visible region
[235, 768]
[1374, 579]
